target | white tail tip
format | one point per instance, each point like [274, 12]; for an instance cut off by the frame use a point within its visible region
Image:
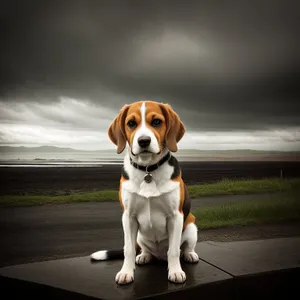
[99, 255]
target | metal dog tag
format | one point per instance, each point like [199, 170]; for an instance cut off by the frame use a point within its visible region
[148, 178]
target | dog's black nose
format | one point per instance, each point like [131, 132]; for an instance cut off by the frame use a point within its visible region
[144, 141]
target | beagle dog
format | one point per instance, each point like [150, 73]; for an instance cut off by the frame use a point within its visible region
[156, 218]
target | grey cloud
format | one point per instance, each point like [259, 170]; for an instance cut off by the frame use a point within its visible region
[66, 114]
[222, 66]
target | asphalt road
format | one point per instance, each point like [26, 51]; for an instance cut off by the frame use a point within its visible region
[54, 231]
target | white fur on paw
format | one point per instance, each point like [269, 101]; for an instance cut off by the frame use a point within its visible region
[191, 257]
[143, 259]
[124, 277]
[177, 277]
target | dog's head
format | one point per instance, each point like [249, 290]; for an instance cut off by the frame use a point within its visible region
[149, 128]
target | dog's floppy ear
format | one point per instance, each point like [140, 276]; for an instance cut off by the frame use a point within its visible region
[175, 127]
[116, 131]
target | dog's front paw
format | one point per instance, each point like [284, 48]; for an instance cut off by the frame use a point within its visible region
[191, 257]
[124, 277]
[143, 259]
[177, 277]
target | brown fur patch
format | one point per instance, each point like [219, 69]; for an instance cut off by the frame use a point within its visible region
[133, 114]
[175, 127]
[116, 130]
[120, 192]
[190, 218]
[181, 187]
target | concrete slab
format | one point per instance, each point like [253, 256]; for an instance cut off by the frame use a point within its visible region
[79, 275]
[235, 270]
[261, 268]
[252, 257]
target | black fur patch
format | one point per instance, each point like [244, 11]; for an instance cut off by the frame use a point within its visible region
[186, 204]
[174, 163]
[124, 173]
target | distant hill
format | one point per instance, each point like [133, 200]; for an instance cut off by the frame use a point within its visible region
[43, 149]
[235, 152]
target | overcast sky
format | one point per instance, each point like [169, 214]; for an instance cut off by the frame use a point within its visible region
[229, 68]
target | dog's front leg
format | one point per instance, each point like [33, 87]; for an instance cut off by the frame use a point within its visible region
[175, 224]
[130, 228]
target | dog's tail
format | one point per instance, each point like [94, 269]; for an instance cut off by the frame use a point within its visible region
[108, 254]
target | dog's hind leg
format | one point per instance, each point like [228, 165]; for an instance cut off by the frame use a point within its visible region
[145, 256]
[188, 241]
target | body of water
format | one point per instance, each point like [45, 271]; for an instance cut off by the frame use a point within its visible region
[94, 158]
[60, 159]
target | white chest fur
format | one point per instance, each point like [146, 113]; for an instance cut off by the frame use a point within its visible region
[153, 210]
[151, 213]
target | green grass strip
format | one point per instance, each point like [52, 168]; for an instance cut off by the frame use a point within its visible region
[247, 186]
[271, 209]
[223, 187]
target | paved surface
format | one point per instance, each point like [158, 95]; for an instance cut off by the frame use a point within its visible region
[56, 231]
[259, 269]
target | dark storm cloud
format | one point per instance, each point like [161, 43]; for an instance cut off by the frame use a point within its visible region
[222, 65]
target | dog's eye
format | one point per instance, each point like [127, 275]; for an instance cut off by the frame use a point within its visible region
[131, 124]
[156, 122]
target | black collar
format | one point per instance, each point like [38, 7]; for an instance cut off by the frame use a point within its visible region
[151, 167]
